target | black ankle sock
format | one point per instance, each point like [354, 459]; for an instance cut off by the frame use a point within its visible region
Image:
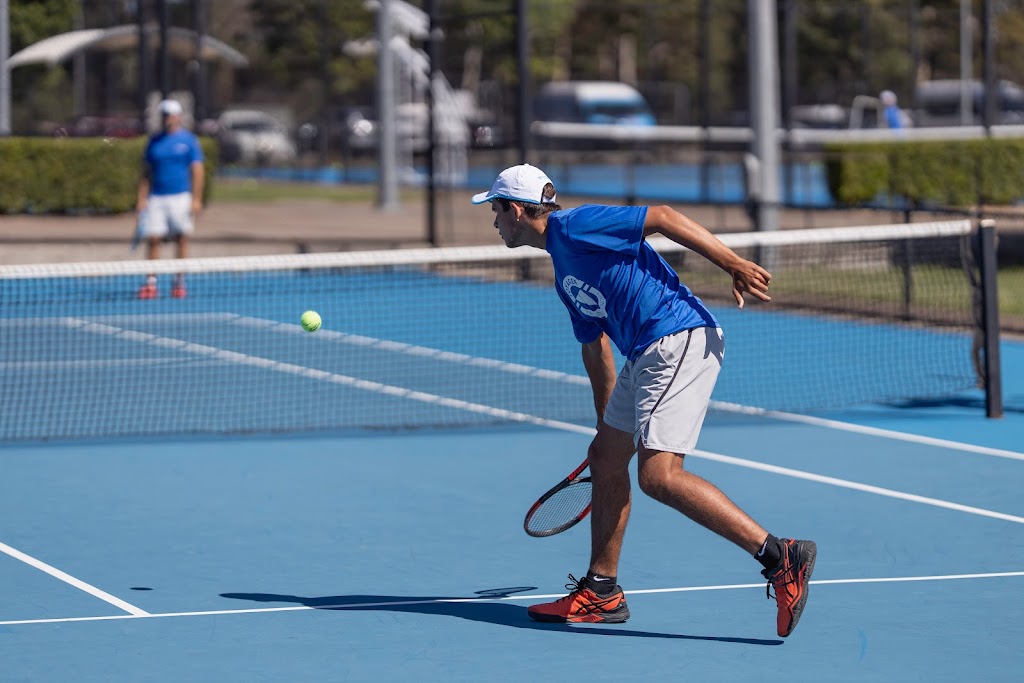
[600, 583]
[770, 553]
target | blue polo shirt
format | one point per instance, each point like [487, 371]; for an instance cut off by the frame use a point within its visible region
[612, 281]
[170, 157]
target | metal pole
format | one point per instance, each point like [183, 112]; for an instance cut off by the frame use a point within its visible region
[325, 83]
[988, 68]
[387, 187]
[434, 53]
[966, 66]
[78, 72]
[199, 95]
[5, 72]
[764, 104]
[704, 84]
[164, 53]
[990, 318]
[523, 69]
[144, 64]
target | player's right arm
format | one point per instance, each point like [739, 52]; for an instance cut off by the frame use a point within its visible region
[142, 198]
[600, 365]
[747, 276]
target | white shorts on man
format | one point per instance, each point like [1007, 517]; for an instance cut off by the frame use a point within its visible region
[168, 215]
[661, 397]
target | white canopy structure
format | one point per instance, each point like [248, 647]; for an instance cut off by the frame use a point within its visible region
[182, 45]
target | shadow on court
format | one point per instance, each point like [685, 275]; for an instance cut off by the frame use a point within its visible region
[500, 613]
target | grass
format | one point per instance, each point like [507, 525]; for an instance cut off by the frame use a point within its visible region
[935, 288]
[244, 190]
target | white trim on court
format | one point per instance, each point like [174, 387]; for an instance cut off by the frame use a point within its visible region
[863, 429]
[434, 399]
[70, 580]
[846, 484]
[515, 368]
[215, 353]
[508, 598]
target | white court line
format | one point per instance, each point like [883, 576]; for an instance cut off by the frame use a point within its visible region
[77, 583]
[85, 364]
[862, 429]
[414, 350]
[366, 385]
[515, 368]
[442, 601]
[846, 484]
[320, 375]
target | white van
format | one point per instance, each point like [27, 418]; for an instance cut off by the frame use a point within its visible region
[606, 102]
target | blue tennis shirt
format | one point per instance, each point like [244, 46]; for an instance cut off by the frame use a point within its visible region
[611, 280]
[170, 157]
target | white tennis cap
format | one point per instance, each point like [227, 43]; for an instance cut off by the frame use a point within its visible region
[523, 183]
[170, 107]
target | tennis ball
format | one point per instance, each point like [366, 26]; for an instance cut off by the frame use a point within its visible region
[310, 321]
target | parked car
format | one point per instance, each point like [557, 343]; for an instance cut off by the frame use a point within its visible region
[251, 136]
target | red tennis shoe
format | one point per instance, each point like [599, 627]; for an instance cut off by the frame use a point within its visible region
[583, 605]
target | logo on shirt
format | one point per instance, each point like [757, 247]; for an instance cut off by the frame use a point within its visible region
[588, 300]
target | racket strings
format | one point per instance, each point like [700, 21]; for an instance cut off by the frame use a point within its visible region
[564, 507]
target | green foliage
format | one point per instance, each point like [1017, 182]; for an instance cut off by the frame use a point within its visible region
[33, 20]
[76, 175]
[950, 173]
[857, 175]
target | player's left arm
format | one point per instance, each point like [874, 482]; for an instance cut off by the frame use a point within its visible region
[747, 276]
[197, 170]
[600, 365]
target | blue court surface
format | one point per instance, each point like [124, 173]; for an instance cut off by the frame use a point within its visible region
[398, 554]
[401, 557]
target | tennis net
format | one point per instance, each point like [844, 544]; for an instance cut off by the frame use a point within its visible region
[461, 336]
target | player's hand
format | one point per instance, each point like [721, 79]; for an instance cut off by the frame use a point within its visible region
[750, 278]
[197, 206]
[141, 205]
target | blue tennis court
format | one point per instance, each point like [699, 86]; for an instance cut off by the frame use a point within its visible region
[359, 518]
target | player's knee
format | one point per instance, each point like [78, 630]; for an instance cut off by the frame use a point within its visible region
[607, 457]
[653, 476]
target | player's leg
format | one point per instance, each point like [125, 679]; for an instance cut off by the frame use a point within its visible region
[181, 227]
[597, 597]
[155, 231]
[662, 477]
[609, 454]
[679, 377]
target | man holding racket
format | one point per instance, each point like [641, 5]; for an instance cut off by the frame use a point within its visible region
[170, 192]
[618, 289]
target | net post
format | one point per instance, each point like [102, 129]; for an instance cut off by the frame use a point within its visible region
[990, 317]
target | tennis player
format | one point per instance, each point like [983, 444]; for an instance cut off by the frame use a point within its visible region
[618, 289]
[170, 192]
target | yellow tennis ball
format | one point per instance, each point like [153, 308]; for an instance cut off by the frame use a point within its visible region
[310, 321]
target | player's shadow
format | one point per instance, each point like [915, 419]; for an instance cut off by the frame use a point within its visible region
[473, 609]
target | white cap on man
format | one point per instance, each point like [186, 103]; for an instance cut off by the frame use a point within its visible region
[170, 108]
[523, 183]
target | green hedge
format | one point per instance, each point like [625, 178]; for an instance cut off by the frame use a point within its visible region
[946, 173]
[77, 175]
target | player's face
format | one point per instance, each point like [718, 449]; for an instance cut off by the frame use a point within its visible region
[510, 229]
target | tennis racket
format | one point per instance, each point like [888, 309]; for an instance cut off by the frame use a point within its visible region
[562, 507]
[140, 229]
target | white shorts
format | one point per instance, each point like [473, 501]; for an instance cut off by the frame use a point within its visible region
[168, 215]
[661, 398]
